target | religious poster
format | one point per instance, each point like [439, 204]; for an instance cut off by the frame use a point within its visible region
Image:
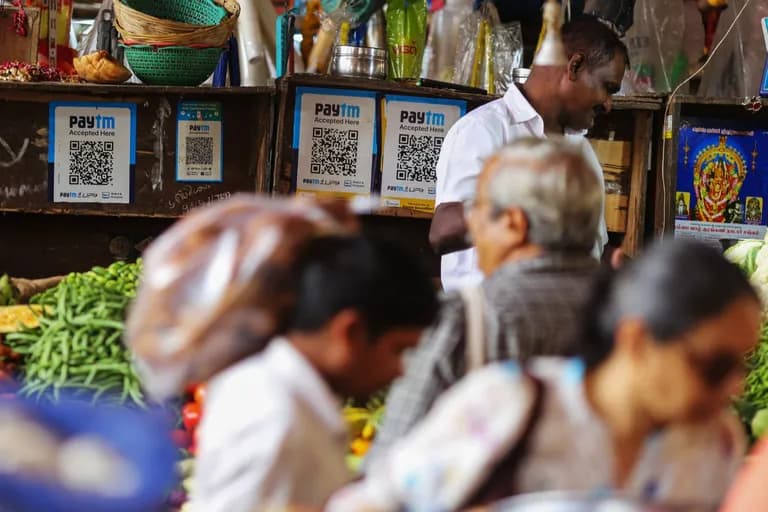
[722, 180]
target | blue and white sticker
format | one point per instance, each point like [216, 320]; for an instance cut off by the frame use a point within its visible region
[335, 140]
[413, 137]
[91, 152]
[199, 142]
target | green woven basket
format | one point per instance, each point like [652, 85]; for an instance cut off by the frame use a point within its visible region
[194, 12]
[172, 65]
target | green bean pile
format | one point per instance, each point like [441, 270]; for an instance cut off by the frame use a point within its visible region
[77, 348]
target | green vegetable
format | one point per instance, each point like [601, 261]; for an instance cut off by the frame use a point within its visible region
[78, 346]
[760, 423]
[7, 293]
[744, 254]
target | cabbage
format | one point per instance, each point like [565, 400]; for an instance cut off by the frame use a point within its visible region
[744, 254]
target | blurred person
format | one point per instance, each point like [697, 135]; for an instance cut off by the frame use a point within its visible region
[749, 492]
[272, 434]
[553, 101]
[643, 409]
[533, 221]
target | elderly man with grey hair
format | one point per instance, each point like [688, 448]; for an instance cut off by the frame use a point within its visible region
[534, 222]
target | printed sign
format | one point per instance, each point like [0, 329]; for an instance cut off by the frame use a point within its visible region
[722, 181]
[414, 129]
[334, 139]
[91, 152]
[199, 142]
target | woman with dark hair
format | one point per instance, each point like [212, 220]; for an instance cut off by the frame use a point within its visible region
[642, 411]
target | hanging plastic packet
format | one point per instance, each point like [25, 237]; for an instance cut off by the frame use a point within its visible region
[330, 26]
[507, 54]
[444, 38]
[476, 62]
[406, 37]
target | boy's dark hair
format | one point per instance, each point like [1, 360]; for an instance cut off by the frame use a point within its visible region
[380, 278]
[597, 41]
[673, 287]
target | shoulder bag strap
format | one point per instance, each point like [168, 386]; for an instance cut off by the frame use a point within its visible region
[474, 304]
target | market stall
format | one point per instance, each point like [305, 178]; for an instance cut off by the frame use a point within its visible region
[151, 181]
[624, 141]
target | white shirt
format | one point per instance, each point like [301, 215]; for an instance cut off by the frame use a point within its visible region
[443, 462]
[271, 435]
[468, 143]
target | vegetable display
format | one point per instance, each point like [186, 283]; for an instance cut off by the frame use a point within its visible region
[77, 346]
[752, 257]
[363, 420]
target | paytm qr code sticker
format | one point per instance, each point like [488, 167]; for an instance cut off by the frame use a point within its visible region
[335, 142]
[414, 131]
[199, 142]
[91, 152]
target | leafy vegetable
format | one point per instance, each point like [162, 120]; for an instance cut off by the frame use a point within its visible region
[78, 347]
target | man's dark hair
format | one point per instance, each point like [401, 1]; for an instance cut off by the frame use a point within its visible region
[377, 277]
[590, 36]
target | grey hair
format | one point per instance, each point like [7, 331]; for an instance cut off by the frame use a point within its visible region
[551, 181]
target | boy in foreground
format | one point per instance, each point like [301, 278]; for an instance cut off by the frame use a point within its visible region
[272, 435]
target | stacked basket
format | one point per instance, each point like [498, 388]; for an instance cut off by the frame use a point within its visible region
[175, 42]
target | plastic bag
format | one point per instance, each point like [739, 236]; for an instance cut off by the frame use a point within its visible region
[61, 23]
[736, 70]
[475, 62]
[619, 13]
[507, 54]
[655, 42]
[406, 37]
[217, 286]
[440, 53]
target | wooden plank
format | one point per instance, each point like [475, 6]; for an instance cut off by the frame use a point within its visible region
[37, 245]
[641, 147]
[247, 127]
[666, 176]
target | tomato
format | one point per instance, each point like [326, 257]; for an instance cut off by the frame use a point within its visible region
[181, 438]
[199, 394]
[190, 415]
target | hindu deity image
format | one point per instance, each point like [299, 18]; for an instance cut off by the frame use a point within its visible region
[718, 175]
[754, 210]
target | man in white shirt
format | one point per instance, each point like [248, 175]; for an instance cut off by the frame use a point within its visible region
[554, 100]
[272, 434]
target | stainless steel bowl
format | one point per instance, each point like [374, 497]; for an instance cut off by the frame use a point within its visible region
[359, 61]
[520, 75]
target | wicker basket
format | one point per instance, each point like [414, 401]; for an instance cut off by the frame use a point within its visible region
[176, 22]
[172, 65]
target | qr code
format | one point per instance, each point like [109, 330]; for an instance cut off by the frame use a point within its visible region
[199, 150]
[91, 162]
[417, 157]
[334, 151]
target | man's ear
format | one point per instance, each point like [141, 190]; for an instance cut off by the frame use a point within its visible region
[515, 227]
[630, 336]
[346, 330]
[575, 64]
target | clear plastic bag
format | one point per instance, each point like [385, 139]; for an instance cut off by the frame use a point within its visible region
[217, 286]
[444, 39]
[735, 71]
[507, 54]
[475, 62]
[655, 42]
